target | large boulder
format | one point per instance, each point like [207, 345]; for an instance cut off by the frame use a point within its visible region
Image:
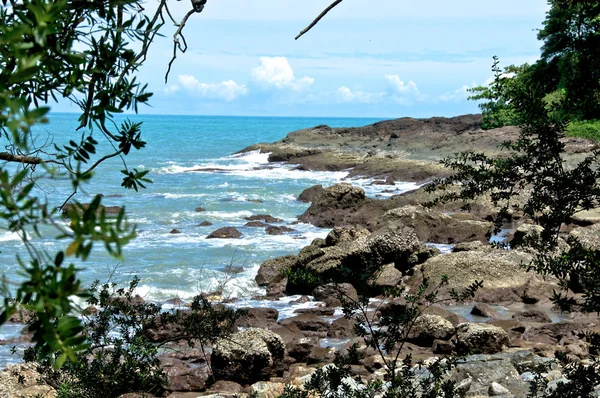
[332, 294]
[392, 244]
[436, 227]
[480, 338]
[504, 278]
[248, 356]
[338, 205]
[428, 328]
[309, 194]
[225, 233]
[271, 271]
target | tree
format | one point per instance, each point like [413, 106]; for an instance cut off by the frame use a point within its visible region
[571, 55]
[86, 52]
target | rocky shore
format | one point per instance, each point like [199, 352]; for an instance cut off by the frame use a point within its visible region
[506, 331]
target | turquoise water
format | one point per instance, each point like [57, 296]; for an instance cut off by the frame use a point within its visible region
[191, 164]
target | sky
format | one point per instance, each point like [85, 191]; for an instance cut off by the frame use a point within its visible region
[367, 58]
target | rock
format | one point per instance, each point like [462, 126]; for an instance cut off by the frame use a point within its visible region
[588, 236]
[182, 377]
[428, 328]
[267, 389]
[306, 323]
[271, 271]
[200, 209]
[258, 318]
[435, 227]
[342, 235]
[272, 230]
[586, 217]
[263, 217]
[484, 310]
[475, 245]
[255, 224]
[309, 193]
[23, 380]
[205, 224]
[500, 270]
[108, 210]
[525, 233]
[497, 390]
[479, 338]
[225, 233]
[332, 293]
[532, 316]
[175, 231]
[334, 205]
[388, 276]
[450, 316]
[248, 356]
[442, 347]
[341, 328]
[300, 348]
[319, 311]
[226, 386]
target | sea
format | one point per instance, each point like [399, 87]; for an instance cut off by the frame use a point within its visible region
[194, 165]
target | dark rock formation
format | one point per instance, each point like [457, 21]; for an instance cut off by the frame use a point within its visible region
[225, 233]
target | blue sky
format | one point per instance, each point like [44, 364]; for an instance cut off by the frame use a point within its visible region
[386, 58]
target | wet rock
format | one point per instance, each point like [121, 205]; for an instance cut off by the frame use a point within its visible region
[182, 377]
[255, 224]
[306, 323]
[300, 348]
[532, 316]
[200, 209]
[341, 328]
[258, 318]
[175, 231]
[272, 271]
[263, 217]
[319, 311]
[205, 224]
[273, 230]
[309, 193]
[428, 328]
[248, 356]
[225, 233]
[484, 310]
[108, 210]
[478, 338]
[332, 294]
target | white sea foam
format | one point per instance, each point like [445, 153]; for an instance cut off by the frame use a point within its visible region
[256, 157]
[183, 195]
[9, 236]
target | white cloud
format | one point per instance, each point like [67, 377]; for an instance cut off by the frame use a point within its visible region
[277, 72]
[345, 94]
[227, 90]
[458, 94]
[171, 89]
[400, 86]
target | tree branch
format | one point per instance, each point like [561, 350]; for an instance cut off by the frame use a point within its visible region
[317, 19]
[20, 158]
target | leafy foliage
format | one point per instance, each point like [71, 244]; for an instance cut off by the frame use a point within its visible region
[85, 52]
[122, 356]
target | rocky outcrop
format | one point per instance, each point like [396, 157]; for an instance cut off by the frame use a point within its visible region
[273, 230]
[23, 380]
[339, 205]
[271, 271]
[436, 227]
[248, 356]
[309, 194]
[263, 217]
[225, 233]
[480, 338]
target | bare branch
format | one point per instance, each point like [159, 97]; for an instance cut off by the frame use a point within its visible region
[20, 158]
[317, 19]
[176, 43]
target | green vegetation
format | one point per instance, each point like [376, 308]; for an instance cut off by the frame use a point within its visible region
[567, 75]
[584, 129]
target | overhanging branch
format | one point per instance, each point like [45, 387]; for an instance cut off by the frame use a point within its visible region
[9, 157]
[317, 19]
